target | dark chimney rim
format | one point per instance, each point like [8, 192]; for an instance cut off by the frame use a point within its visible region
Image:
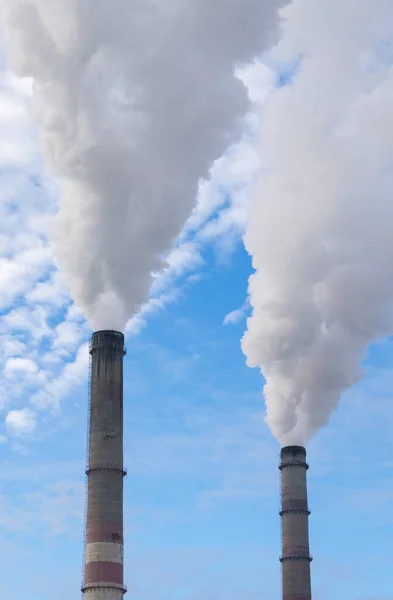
[107, 340]
[293, 450]
[114, 332]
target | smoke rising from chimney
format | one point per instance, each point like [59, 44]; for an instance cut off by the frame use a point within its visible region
[134, 99]
[321, 225]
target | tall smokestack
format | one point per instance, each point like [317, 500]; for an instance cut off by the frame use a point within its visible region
[295, 559]
[103, 574]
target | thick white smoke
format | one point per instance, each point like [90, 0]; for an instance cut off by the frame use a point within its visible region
[133, 99]
[321, 226]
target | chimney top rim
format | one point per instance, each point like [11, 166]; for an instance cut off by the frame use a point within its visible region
[110, 331]
[107, 340]
[293, 450]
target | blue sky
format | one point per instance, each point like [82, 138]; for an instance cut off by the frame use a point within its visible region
[201, 496]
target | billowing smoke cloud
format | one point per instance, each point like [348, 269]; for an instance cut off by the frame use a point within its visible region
[133, 99]
[321, 226]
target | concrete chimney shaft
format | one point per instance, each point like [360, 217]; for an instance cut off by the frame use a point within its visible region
[295, 559]
[103, 573]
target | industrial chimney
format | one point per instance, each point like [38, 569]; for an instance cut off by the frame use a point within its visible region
[295, 559]
[103, 569]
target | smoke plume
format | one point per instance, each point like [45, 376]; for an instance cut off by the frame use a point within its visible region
[321, 225]
[133, 100]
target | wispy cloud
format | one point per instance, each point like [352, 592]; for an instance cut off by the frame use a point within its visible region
[236, 316]
[21, 422]
[50, 501]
